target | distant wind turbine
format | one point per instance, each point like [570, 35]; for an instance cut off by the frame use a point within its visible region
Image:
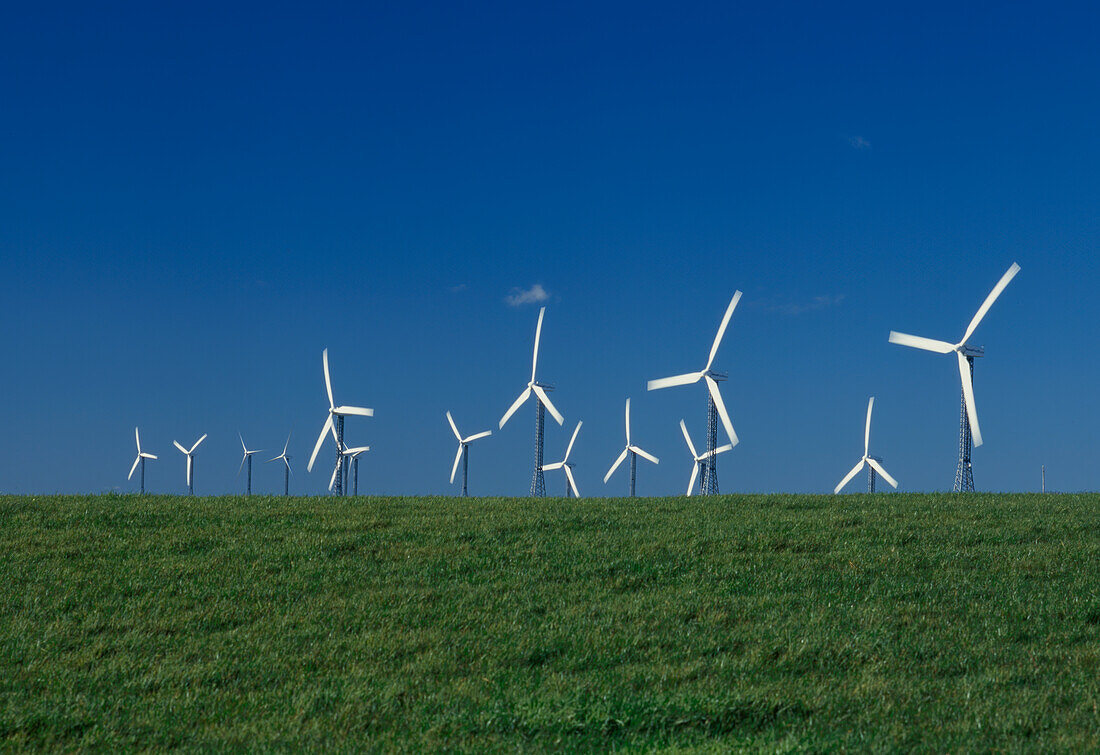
[247, 458]
[463, 453]
[354, 454]
[567, 465]
[140, 460]
[874, 463]
[286, 460]
[190, 454]
[700, 459]
[633, 452]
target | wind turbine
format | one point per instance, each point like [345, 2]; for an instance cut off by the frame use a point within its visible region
[567, 465]
[190, 454]
[700, 459]
[633, 451]
[286, 460]
[354, 454]
[538, 484]
[140, 460]
[334, 423]
[716, 408]
[874, 463]
[247, 457]
[969, 432]
[463, 451]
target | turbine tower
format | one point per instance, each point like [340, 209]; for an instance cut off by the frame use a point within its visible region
[354, 454]
[334, 423]
[970, 434]
[247, 458]
[700, 460]
[571, 484]
[286, 460]
[873, 463]
[463, 453]
[190, 454]
[716, 408]
[140, 460]
[542, 404]
[631, 450]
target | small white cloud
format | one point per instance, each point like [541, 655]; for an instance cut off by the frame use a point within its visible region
[858, 142]
[520, 296]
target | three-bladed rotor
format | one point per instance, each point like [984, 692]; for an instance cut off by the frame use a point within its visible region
[247, 453]
[629, 448]
[140, 454]
[286, 459]
[189, 453]
[462, 443]
[566, 464]
[867, 458]
[333, 411]
[533, 386]
[352, 454]
[699, 458]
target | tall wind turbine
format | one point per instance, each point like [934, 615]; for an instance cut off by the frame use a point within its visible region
[631, 450]
[716, 408]
[463, 454]
[873, 463]
[140, 460]
[286, 460]
[970, 435]
[334, 423]
[247, 458]
[538, 484]
[190, 454]
[567, 465]
[700, 460]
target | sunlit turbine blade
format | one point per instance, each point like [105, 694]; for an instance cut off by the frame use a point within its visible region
[286, 445]
[454, 429]
[694, 474]
[545, 399]
[722, 328]
[476, 436]
[691, 446]
[515, 405]
[968, 397]
[197, 442]
[328, 380]
[645, 455]
[569, 448]
[181, 448]
[287, 462]
[867, 429]
[572, 482]
[712, 386]
[355, 451]
[848, 477]
[145, 455]
[1004, 281]
[719, 450]
[628, 422]
[335, 471]
[358, 411]
[535, 353]
[917, 342]
[320, 439]
[555, 465]
[458, 458]
[137, 437]
[882, 472]
[243, 458]
[133, 468]
[242, 442]
[615, 466]
[669, 382]
[189, 462]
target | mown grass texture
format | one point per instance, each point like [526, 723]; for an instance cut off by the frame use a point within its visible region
[779, 623]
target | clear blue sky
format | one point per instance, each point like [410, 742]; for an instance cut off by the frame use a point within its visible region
[196, 199]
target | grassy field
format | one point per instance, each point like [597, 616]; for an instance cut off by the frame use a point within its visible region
[767, 622]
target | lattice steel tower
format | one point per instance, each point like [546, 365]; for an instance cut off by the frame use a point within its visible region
[964, 471]
[538, 483]
[709, 484]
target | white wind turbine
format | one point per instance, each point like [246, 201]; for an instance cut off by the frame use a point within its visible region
[190, 454]
[631, 450]
[567, 465]
[139, 460]
[247, 458]
[286, 460]
[334, 423]
[874, 462]
[716, 408]
[969, 430]
[354, 454]
[538, 487]
[700, 460]
[463, 453]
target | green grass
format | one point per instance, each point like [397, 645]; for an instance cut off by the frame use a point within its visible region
[936, 623]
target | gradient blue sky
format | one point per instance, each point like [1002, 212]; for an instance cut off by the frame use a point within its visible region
[197, 198]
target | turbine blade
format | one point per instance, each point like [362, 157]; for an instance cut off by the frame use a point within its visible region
[628, 422]
[320, 439]
[691, 446]
[917, 342]
[694, 474]
[515, 405]
[133, 468]
[287, 444]
[882, 472]
[644, 455]
[669, 382]
[545, 399]
[722, 328]
[1004, 281]
[615, 466]
[328, 380]
[181, 448]
[358, 411]
[569, 448]
[477, 436]
[712, 386]
[867, 429]
[332, 480]
[189, 470]
[458, 458]
[287, 462]
[572, 482]
[137, 437]
[848, 477]
[197, 442]
[555, 465]
[538, 335]
[720, 450]
[968, 397]
[242, 441]
[454, 429]
[145, 455]
[242, 464]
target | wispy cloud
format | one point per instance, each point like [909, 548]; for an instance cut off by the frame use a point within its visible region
[793, 309]
[520, 296]
[858, 142]
[456, 289]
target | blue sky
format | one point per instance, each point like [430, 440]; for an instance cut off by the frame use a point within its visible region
[197, 199]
